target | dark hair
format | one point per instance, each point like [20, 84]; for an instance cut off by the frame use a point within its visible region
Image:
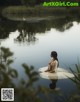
[54, 55]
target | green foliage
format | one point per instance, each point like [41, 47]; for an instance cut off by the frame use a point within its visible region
[74, 98]
[76, 73]
[35, 11]
[6, 72]
[76, 80]
[31, 74]
[13, 73]
[25, 91]
[5, 54]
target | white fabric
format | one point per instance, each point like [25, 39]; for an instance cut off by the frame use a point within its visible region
[59, 74]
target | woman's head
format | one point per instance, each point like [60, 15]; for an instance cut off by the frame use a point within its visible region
[54, 54]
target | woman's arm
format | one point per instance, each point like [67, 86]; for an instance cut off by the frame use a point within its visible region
[54, 65]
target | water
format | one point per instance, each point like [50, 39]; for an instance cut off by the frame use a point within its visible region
[33, 42]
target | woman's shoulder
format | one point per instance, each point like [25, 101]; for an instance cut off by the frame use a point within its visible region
[55, 61]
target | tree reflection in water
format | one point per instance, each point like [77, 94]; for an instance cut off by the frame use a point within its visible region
[24, 37]
[28, 30]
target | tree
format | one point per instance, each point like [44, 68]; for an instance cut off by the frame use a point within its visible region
[10, 2]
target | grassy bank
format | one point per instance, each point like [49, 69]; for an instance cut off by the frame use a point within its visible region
[34, 10]
[39, 10]
[38, 13]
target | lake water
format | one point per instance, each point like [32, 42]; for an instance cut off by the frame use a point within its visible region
[33, 42]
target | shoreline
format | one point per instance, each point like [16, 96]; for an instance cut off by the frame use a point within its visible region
[40, 11]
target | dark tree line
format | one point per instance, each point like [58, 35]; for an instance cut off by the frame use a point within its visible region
[28, 2]
[20, 2]
[9, 2]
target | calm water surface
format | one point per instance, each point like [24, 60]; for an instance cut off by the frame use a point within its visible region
[34, 48]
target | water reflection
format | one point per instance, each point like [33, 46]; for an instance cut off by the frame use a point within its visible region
[6, 27]
[28, 30]
[52, 85]
[67, 45]
[25, 37]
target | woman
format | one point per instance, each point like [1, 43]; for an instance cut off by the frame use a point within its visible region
[53, 64]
